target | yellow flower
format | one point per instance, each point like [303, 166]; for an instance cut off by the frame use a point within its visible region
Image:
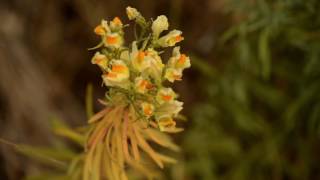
[170, 109]
[179, 61]
[166, 123]
[173, 74]
[118, 75]
[139, 59]
[142, 85]
[159, 25]
[113, 40]
[116, 24]
[117, 134]
[147, 109]
[156, 66]
[176, 64]
[170, 39]
[102, 28]
[132, 13]
[165, 95]
[100, 59]
[147, 62]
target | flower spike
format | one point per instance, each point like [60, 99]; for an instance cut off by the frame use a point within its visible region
[139, 107]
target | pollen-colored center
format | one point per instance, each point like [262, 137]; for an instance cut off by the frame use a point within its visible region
[111, 40]
[166, 97]
[118, 68]
[178, 38]
[182, 59]
[141, 55]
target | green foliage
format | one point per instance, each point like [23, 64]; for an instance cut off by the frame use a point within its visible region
[66, 162]
[62, 161]
[261, 115]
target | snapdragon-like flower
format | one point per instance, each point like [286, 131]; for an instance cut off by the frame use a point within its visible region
[173, 74]
[139, 107]
[170, 39]
[101, 60]
[111, 33]
[159, 25]
[113, 40]
[178, 60]
[142, 85]
[116, 24]
[147, 109]
[102, 28]
[168, 109]
[165, 95]
[166, 124]
[156, 66]
[176, 64]
[140, 60]
[117, 75]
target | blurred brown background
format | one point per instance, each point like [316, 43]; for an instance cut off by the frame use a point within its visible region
[45, 65]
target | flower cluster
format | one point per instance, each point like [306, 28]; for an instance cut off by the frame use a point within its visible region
[138, 72]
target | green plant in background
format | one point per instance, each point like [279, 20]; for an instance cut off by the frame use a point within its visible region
[139, 107]
[261, 117]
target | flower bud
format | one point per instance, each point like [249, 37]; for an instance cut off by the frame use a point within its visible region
[132, 13]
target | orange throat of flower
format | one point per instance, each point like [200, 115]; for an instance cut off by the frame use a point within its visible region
[111, 40]
[178, 38]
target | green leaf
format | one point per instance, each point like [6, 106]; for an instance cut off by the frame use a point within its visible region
[62, 129]
[49, 156]
[264, 53]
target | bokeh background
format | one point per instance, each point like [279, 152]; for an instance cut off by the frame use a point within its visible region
[251, 96]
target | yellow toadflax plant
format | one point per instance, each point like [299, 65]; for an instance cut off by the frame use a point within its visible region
[139, 108]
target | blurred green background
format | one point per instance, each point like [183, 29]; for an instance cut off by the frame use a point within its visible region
[251, 96]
